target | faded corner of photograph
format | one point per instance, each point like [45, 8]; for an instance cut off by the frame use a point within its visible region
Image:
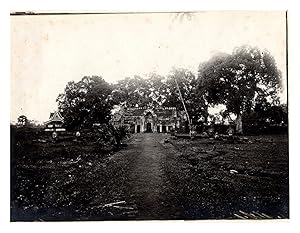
[149, 116]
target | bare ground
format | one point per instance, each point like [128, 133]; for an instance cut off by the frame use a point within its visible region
[151, 179]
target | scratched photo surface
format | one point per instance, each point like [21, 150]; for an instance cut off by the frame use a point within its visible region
[149, 116]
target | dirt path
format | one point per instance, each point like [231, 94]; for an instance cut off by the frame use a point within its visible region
[146, 178]
[147, 182]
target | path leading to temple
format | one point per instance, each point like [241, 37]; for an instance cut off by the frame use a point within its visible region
[147, 183]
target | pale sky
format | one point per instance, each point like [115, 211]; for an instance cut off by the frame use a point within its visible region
[48, 51]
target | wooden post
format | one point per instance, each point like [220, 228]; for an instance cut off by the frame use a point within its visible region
[181, 98]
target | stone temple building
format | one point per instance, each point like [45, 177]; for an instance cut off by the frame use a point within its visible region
[148, 120]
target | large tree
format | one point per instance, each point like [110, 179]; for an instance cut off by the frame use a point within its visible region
[131, 92]
[138, 91]
[86, 102]
[240, 79]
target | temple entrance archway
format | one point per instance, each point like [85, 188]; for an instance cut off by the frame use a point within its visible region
[148, 128]
[149, 121]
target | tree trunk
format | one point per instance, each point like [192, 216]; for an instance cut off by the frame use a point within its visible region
[239, 124]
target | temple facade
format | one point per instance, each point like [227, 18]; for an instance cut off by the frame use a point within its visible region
[147, 120]
[55, 122]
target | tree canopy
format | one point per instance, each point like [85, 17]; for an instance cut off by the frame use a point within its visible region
[240, 80]
[22, 120]
[86, 102]
[138, 91]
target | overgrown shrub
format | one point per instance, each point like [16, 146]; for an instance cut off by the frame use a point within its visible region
[119, 133]
[107, 134]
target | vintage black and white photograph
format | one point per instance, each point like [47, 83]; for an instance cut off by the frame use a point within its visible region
[149, 116]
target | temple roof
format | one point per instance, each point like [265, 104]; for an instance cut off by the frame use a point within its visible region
[55, 117]
[159, 112]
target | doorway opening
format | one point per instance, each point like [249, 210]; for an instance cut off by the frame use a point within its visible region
[148, 128]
